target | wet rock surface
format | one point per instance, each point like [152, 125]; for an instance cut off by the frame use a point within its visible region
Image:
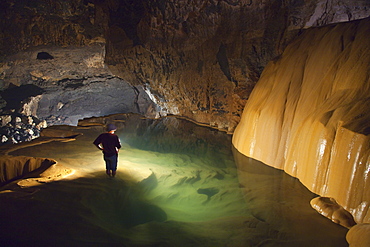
[329, 208]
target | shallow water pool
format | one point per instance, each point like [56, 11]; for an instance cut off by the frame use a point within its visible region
[178, 184]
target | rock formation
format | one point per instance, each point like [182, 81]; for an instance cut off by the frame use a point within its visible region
[329, 208]
[16, 167]
[202, 59]
[195, 59]
[309, 116]
[53, 64]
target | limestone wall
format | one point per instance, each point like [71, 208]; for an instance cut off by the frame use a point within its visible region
[309, 114]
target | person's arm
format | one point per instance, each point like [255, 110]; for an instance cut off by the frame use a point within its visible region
[98, 144]
[118, 144]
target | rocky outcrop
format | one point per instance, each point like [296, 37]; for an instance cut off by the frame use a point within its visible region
[308, 114]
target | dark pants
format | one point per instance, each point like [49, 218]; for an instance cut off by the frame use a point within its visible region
[111, 162]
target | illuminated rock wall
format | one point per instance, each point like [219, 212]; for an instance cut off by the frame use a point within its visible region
[309, 114]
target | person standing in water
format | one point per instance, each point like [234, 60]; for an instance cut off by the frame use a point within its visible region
[110, 144]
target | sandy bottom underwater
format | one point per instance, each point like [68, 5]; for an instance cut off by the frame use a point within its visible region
[178, 184]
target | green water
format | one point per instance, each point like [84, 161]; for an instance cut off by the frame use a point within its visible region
[190, 189]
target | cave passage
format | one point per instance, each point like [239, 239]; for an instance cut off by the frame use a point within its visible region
[178, 184]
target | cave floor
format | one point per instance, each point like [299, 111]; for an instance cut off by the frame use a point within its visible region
[178, 184]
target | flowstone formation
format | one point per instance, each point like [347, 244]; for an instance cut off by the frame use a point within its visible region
[329, 208]
[309, 116]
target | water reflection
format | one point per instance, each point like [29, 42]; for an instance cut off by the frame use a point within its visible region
[178, 136]
[283, 202]
[189, 193]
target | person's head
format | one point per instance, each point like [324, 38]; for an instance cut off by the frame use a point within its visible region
[111, 128]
